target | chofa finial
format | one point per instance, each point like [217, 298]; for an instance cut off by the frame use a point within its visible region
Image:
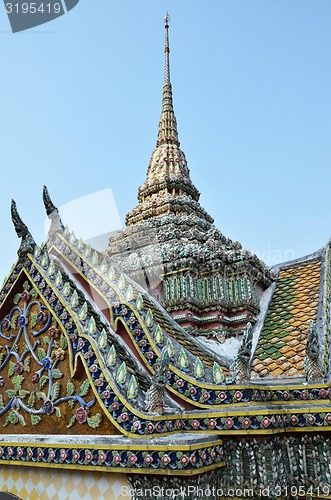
[27, 244]
[52, 212]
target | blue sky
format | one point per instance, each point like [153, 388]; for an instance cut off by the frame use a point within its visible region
[81, 98]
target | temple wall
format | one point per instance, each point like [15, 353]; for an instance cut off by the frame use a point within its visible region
[39, 483]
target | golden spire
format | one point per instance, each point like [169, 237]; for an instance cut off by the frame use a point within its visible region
[167, 125]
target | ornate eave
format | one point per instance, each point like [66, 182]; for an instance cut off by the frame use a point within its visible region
[97, 308]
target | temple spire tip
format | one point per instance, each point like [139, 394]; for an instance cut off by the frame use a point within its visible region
[167, 49]
[166, 20]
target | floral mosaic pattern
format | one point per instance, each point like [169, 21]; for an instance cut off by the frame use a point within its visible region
[121, 458]
[32, 350]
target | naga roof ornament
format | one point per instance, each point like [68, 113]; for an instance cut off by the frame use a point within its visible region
[52, 213]
[27, 244]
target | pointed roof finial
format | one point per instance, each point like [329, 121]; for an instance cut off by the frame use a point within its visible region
[167, 125]
[22, 231]
[52, 211]
[167, 49]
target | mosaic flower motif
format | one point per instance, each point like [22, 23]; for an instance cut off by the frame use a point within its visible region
[53, 332]
[238, 395]
[133, 459]
[265, 422]
[51, 455]
[63, 455]
[10, 452]
[22, 320]
[150, 427]
[59, 354]
[5, 324]
[222, 396]
[323, 393]
[136, 425]
[18, 367]
[229, 422]
[47, 363]
[75, 455]
[124, 417]
[206, 395]
[192, 391]
[246, 423]
[106, 394]
[311, 419]
[41, 318]
[149, 459]
[180, 424]
[304, 395]
[165, 459]
[102, 457]
[81, 415]
[40, 453]
[294, 419]
[115, 405]
[327, 418]
[193, 459]
[180, 383]
[19, 452]
[48, 407]
[286, 395]
[212, 423]
[25, 296]
[117, 458]
[88, 456]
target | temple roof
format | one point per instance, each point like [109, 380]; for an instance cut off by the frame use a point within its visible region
[281, 349]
